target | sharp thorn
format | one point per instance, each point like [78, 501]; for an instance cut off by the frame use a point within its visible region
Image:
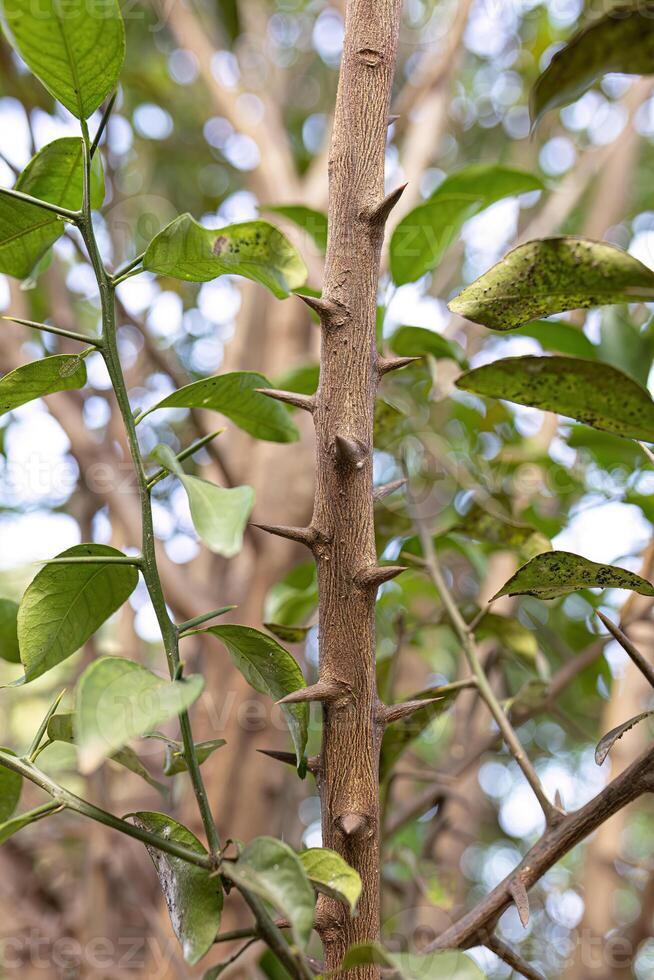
[353, 824]
[396, 712]
[290, 759]
[331, 315]
[378, 216]
[375, 575]
[637, 657]
[350, 453]
[387, 364]
[519, 895]
[511, 956]
[303, 535]
[324, 691]
[558, 800]
[305, 402]
[392, 119]
[387, 489]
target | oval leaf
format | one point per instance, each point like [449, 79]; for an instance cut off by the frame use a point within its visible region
[274, 872]
[418, 341]
[560, 338]
[271, 670]
[61, 372]
[64, 605]
[606, 743]
[313, 222]
[588, 391]
[55, 175]
[415, 966]
[421, 238]
[175, 761]
[549, 276]
[118, 700]
[11, 784]
[255, 249]
[621, 41]
[194, 897]
[76, 49]
[329, 873]
[235, 395]
[556, 573]
[9, 631]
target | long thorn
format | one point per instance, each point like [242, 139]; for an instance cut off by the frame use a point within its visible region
[65, 213]
[379, 215]
[375, 575]
[646, 669]
[324, 691]
[59, 331]
[521, 899]
[387, 364]
[510, 956]
[387, 489]
[103, 124]
[303, 535]
[289, 758]
[396, 712]
[305, 402]
[203, 618]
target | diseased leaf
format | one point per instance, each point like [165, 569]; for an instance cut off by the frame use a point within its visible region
[588, 391]
[607, 742]
[620, 41]
[309, 220]
[415, 966]
[76, 49]
[271, 670]
[54, 175]
[11, 785]
[64, 605]
[61, 729]
[193, 895]
[418, 341]
[235, 396]
[550, 276]
[9, 631]
[329, 873]
[556, 573]
[274, 872]
[61, 372]
[255, 249]
[118, 700]
[421, 238]
[11, 827]
[219, 515]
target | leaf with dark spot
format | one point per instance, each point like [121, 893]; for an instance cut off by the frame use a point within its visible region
[556, 573]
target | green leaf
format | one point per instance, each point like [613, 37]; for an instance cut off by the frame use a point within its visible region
[555, 573]
[418, 341]
[11, 827]
[414, 966]
[624, 345]
[560, 338]
[255, 249]
[61, 729]
[589, 391]
[193, 895]
[303, 379]
[620, 41]
[269, 669]
[55, 175]
[61, 372]
[64, 605]
[511, 634]
[313, 222]
[289, 634]
[421, 238]
[606, 743]
[271, 870]
[11, 784]
[76, 49]
[118, 700]
[552, 275]
[329, 873]
[502, 531]
[175, 762]
[9, 649]
[235, 396]
[219, 515]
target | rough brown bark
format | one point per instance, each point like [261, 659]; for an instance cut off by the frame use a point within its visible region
[343, 513]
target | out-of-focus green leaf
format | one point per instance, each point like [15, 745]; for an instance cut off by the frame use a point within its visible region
[235, 395]
[175, 762]
[607, 742]
[624, 346]
[64, 605]
[399, 735]
[329, 873]
[417, 342]
[9, 649]
[560, 338]
[588, 391]
[556, 573]
[76, 49]
[309, 220]
[11, 784]
[511, 634]
[61, 372]
[421, 238]
[303, 379]
[194, 896]
[255, 249]
[550, 276]
[118, 700]
[271, 670]
[502, 531]
[11, 827]
[620, 41]
[289, 634]
[274, 872]
[414, 966]
[295, 598]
